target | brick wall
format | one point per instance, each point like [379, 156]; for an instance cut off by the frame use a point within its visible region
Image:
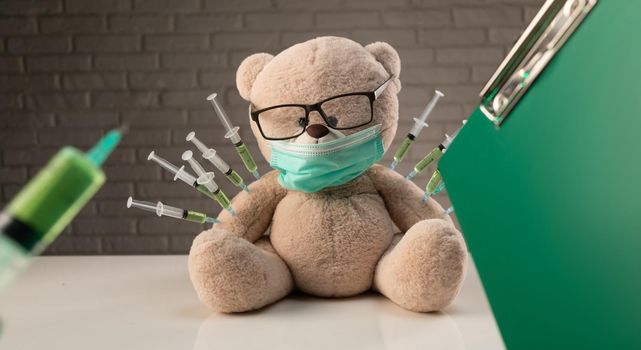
[72, 69]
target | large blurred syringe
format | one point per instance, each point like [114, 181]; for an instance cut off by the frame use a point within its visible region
[232, 134]
[419, 124]
[46, 205]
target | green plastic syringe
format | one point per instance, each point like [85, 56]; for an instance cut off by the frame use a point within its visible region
[166, 210]
[419, 124]
[434, 155]
[212, 156]
[232, 134]
[207, 179]
[46, 205]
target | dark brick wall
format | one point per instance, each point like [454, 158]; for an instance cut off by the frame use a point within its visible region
[72, 69]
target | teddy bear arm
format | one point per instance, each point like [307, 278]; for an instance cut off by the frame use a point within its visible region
[254, 210]
[403, 198]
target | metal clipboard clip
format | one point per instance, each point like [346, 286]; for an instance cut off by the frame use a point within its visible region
[542, 39]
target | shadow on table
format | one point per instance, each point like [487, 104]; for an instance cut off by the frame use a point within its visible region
[367, 321]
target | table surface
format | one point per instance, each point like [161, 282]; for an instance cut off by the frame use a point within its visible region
[147, 302]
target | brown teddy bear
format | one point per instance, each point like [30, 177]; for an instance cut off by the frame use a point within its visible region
[324, 111]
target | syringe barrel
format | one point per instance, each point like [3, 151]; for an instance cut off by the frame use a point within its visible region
[235, 178]
[195, 216]
[162, 162]
[232, 132]
[168, 210]
[207, 180]
[435, 180]
[212, 156]
[404, 148]
[434, 155]
[49, 201]
[448, 139]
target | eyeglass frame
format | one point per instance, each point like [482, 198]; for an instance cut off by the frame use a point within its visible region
[372, 95]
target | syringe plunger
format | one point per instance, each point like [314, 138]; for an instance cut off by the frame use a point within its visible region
[421, 121]
[207, 180]
[189, 157]
[232, 131]
[191, 137]
[162, 162]
[184, 176]
[148, 206]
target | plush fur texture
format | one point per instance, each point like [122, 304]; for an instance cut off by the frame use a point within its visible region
[342, 240]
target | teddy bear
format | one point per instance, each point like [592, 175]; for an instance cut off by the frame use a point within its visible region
[327, 221]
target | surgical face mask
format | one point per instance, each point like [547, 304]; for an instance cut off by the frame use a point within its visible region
[313, 167]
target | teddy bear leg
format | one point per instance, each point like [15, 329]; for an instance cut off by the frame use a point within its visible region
[230, 274]
[423, 269]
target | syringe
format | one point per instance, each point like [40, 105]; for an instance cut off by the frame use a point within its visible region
[232, 134]
[166, 210]
[212, 156]
[206, 179]
[48, 203]
[434, 186]
[434, 155]
[182, 174]
[419, 124]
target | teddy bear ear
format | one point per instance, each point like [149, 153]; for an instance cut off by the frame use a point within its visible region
[248, 71]
[387, 56]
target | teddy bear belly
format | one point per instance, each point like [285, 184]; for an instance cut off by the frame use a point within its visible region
[331, 245]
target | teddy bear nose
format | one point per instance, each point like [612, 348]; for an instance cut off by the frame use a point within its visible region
[317, 130]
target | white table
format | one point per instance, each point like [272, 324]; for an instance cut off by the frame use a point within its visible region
[147, 302]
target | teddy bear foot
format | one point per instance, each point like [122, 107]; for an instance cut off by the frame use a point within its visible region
[230, 274]
[424, 269]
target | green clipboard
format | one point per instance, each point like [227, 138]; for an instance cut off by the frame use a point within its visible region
[545, 178]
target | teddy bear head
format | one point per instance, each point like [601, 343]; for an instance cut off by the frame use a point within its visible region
[317, 71]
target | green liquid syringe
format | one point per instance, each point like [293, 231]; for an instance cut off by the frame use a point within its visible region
[434, 186]
[419, 124]
[48, 203]
[434, 155]
[430, 158]
[232, 134]
[212, 156]
[182, 174]
[207, 179]
[166, 210]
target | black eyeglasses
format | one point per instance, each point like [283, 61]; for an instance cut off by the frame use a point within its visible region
[283, 122]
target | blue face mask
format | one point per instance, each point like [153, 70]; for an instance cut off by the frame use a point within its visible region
[312, 167]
